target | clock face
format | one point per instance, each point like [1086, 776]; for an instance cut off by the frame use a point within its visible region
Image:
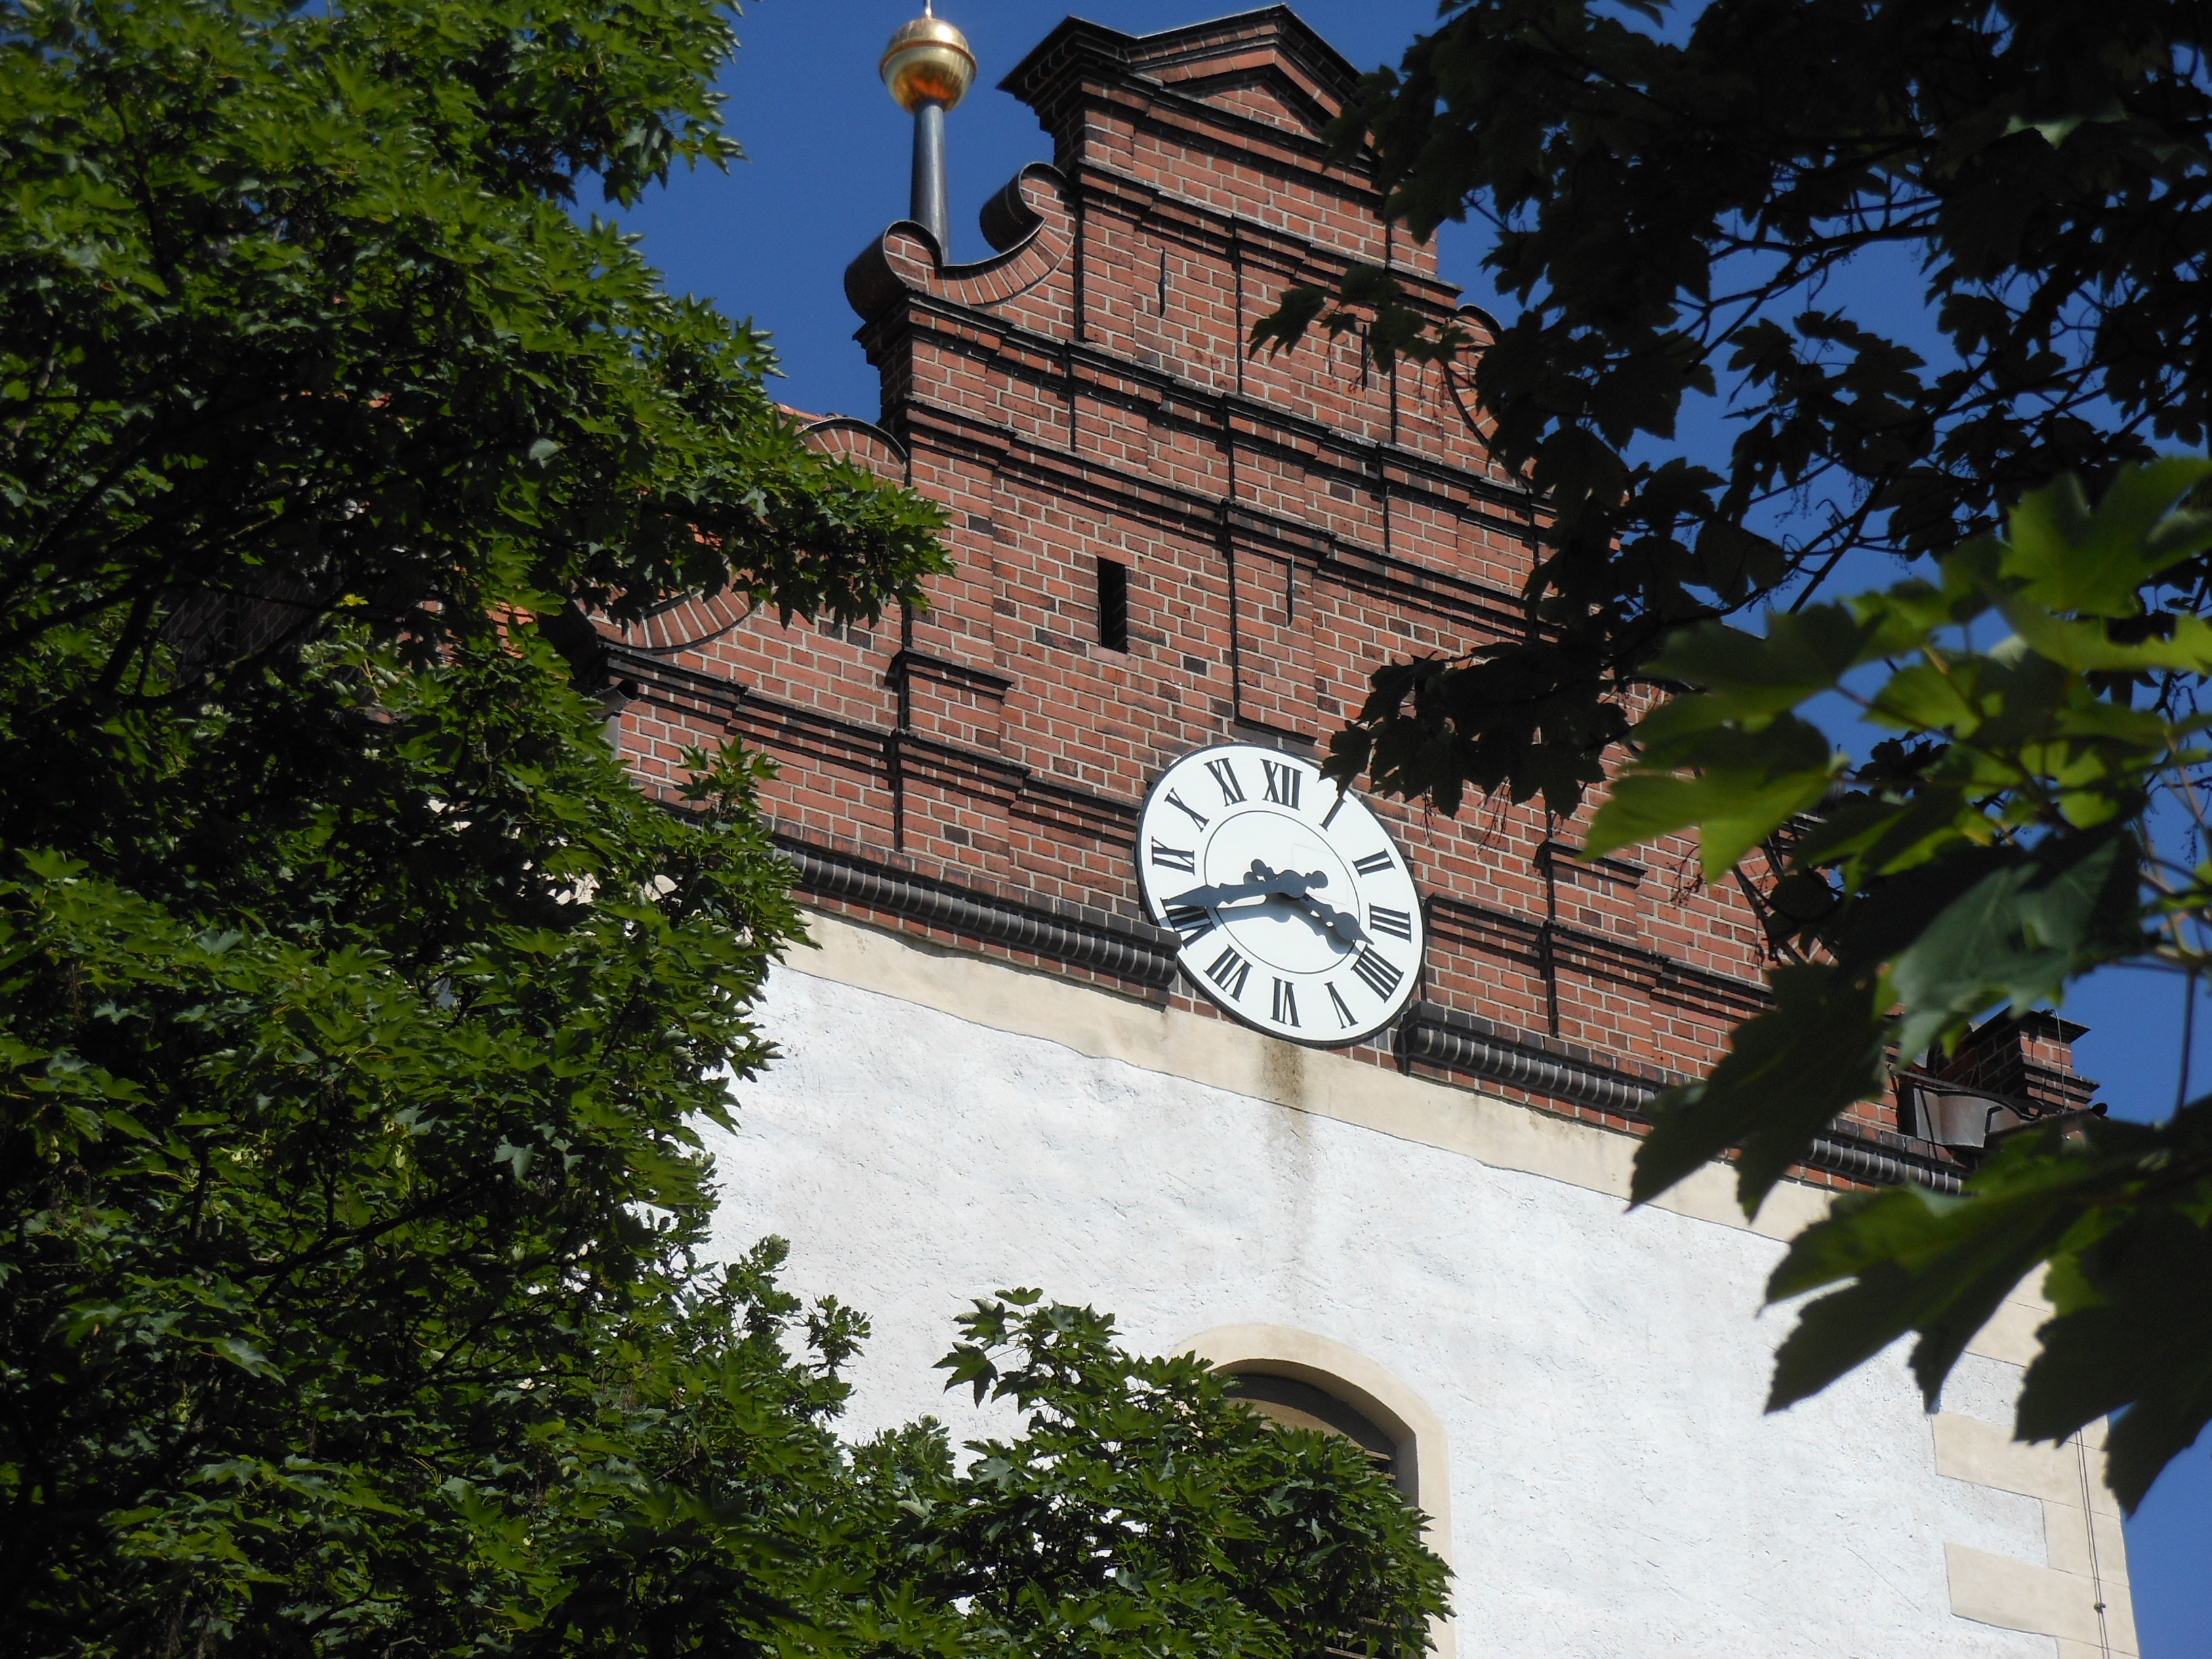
[1294, 907]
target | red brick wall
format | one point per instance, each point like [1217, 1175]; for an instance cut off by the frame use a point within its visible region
[1288, 523]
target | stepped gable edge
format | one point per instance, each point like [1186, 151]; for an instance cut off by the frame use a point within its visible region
[1029, 222]
[1197, 70]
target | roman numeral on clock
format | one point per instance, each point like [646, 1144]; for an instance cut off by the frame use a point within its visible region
[1230, 971]
[1174, 858]
[1380, 975]
[1384, 919]
[1282, 783]
[1373, 864]
[1286, 1003]
[1193, 921]
[1225, 776]
[1343, 1013]
[1186, 809]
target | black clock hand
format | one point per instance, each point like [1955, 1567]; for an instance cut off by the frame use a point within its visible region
[1297, 890]
[1261, 883]
[1205, 898]
[1288, 885]
[1342, 923]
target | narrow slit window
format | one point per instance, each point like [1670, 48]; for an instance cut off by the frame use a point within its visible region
[1113, 604]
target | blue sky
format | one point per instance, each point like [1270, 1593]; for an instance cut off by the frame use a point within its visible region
[828, 170]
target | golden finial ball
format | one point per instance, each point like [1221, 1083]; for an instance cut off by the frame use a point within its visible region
[928, 62]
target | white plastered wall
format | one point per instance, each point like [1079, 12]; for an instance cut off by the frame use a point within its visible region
[941, 1126]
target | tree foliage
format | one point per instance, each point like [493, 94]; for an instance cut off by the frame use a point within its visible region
[1675, 203]
[358, 1016]
[1998, 848]
[1145, 1511]
[1680, 204]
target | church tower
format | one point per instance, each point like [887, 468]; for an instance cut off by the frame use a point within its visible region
[1114, 996]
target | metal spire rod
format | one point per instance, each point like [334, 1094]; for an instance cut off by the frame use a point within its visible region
[931, 200]
[928, 67]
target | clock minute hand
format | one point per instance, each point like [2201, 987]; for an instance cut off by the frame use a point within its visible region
[1342, 923]
[1262, 882]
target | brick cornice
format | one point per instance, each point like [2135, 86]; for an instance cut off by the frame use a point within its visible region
[1082, 67]
[1142, 955]
[1450, 1041]
[1032, 225]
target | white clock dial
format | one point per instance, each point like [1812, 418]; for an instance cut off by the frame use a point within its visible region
[1294, 907]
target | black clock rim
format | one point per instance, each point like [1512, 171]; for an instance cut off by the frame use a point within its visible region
[1419, 970]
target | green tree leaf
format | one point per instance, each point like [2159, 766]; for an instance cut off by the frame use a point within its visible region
[1787, 1072]
[2019, 935]
[2095, 563]
[1746, 785]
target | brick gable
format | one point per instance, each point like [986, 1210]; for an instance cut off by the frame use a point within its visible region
[972, 772]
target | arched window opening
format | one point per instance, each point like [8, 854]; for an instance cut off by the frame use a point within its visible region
[1278, 1370]
[1300, 1405]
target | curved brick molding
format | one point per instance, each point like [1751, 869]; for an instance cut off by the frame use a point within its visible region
[863, 443]
[1032, 220]
[694, 621]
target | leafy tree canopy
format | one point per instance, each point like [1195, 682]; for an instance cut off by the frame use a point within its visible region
[1672, 207]
[358, 1016]
[1999, 846]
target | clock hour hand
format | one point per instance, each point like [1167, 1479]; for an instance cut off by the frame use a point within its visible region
[1262, 882]
[1297, 890]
